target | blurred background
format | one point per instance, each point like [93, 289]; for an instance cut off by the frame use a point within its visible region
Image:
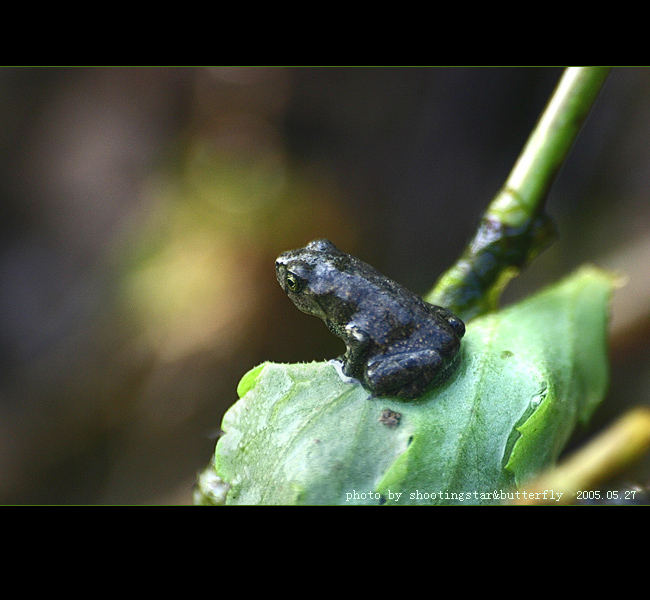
[141, 211]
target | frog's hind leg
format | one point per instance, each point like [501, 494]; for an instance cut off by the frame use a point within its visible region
[406, 374]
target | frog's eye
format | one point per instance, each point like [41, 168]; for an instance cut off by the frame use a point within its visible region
[294, 283]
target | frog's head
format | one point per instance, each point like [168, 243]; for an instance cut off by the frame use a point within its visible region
[308, 275]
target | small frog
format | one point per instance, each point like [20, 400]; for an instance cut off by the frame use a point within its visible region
[396, 343]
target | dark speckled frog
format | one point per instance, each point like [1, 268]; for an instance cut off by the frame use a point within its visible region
[397, 344]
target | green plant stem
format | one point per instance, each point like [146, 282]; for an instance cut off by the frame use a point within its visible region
[551, 140]
[514, 229]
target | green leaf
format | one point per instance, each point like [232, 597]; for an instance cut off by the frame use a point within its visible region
[528, 375]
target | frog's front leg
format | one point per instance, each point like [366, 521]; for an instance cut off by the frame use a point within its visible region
[405, 374]
[358, 345]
